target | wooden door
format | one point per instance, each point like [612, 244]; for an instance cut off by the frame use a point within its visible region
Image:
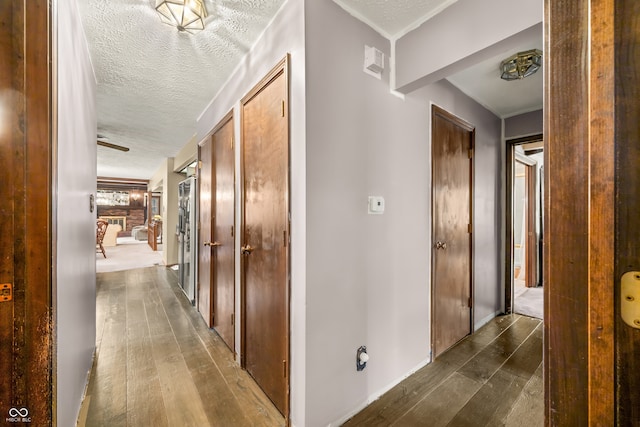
[223, 230]
[265, 237]
[205, 190]
[452, 150]
[531, 251]
[27, 364]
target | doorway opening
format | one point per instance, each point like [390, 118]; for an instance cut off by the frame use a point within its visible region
[525, 194]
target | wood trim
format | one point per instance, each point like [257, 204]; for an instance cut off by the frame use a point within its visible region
[131, 181]
[526, 139]
[281, 67]
[26, 350]
[601, 216]
[8, 178]
[508, 260]
[626, 26]
[508, 253]
[579, 207]
[220, 125]
[452, 118]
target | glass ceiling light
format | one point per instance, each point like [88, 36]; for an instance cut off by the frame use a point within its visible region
[521, 65]
[186, 15]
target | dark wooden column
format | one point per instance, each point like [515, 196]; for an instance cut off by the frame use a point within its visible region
[25, 215]
[627, 202]
[592, 111]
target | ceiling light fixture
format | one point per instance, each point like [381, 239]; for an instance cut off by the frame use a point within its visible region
[186, 15]
[521, 65]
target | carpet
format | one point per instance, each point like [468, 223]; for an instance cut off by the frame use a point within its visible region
[528, 301]
[128, 254]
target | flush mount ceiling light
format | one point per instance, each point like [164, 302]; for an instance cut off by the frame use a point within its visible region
[521, 65]
[186, 15]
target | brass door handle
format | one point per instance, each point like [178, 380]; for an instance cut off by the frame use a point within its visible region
[247, 249]
[441, 245]
[212, 244]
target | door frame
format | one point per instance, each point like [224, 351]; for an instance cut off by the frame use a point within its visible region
[510, 170]
[281, 68]
[436, 110]
[208, 319]
[28, 168]
[229, 117]
[590, 118]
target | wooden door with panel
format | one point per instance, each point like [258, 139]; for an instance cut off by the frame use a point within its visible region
[266, 236]
[452, 148]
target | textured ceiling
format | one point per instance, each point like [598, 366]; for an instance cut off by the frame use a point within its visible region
[153, 81]
[393, 18]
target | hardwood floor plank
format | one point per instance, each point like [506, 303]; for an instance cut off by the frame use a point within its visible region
[493, 402]
[482, 366]
[528, 357]
[144, 393]
[441, 405]
[181, 399]
[108, 384]
[493, 399]
[530, 404]
[221, 407]
[258, 409]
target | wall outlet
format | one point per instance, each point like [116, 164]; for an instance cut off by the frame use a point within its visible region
[362, 357]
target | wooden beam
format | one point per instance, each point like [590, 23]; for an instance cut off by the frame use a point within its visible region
[26, 349]
[579, 212]
[627, 200]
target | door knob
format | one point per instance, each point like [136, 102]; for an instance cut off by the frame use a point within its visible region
[441, 245]
[247, 249]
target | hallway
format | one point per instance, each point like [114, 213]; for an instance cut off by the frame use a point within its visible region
[158, 364]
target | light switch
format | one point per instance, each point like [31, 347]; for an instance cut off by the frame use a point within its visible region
[376, 205]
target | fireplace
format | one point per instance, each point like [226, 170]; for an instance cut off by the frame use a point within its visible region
[121, 220]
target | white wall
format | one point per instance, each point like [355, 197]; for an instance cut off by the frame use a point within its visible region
[368, 277]
[186, 155]
[285, 34]
[164, 179]
[523, 124]
[75, 299]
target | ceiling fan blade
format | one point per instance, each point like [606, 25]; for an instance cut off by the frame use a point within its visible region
[114, 146]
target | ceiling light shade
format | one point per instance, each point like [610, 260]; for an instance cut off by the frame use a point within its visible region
[186, 15]
[521, 65]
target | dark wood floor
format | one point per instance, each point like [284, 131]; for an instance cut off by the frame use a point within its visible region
[157, 364]
[491, 378]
